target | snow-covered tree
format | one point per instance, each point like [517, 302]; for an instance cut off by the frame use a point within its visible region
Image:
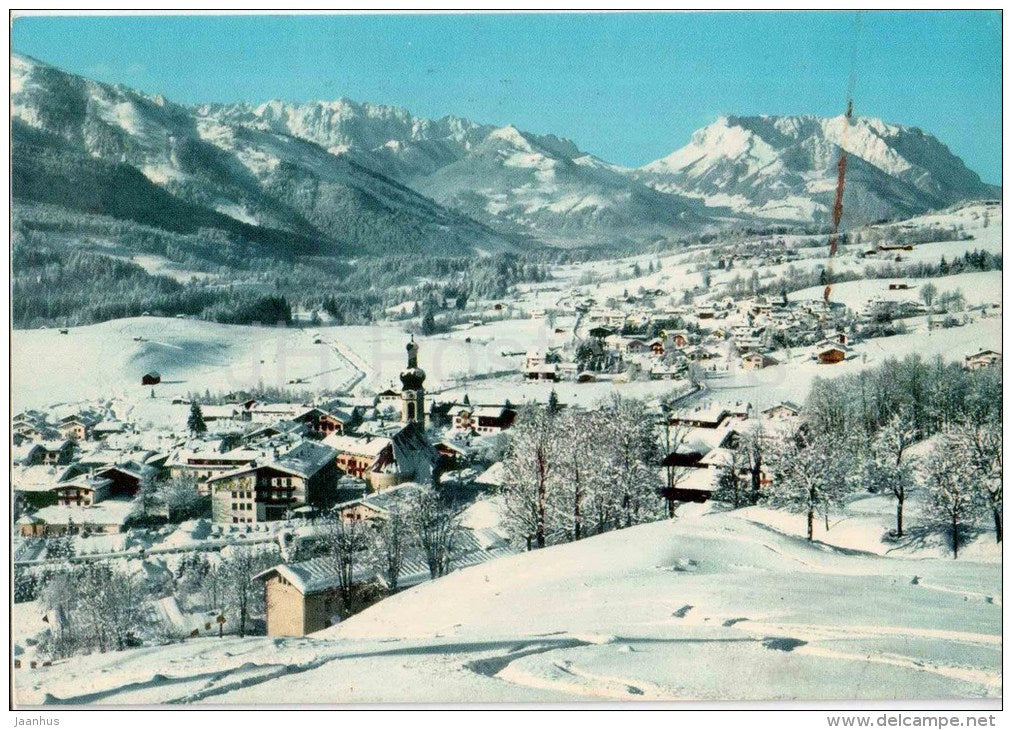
[580, 470]
[953, 500]
[347, 542]
[98, 608]
[391, 539]
[147, 493]
[530, 463]
[180, 497]
[634, 454]
[435, 527]
[810, 476]
[980, 444]
[885, 470]
[242, 599]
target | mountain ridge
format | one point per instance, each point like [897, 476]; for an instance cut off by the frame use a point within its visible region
[370, 178]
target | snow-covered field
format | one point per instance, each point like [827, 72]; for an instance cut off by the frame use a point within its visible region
[710, 606]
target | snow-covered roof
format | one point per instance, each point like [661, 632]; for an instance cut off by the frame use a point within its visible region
[493, 476]
[357, 445]
[109, 512]
[306, 459]
[39, 477]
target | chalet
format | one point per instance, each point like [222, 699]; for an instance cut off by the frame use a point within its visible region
[453, 455]
[56, 452]
[124, 480]
[781, 411]
[895, 286]
[76, 428]
[756, 361]
[37, 485]
[271, 412]
[600, 333]
[302, 598]
[388, 398]
[677, 338]
[831, 354]
[705, 311]
[306, 475]
[28, 454]
[693, 485]
[82, 491]
[226, 412]
[324, 422]
[107, 517]
[151, 378]
[708, 415]
[28, 427]
[107, 428]
[365, 457]
[981, 360]
[204, 465]
[482, 419]
[586, 377]
[377, 506]
[536, 367]
[281, 429]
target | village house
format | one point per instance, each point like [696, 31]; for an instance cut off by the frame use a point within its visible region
[303, 598]
[981, 360]
[104, 429]
[829, 354]
[56, 452]
[782, 411]
[324, 422]
[756, 361]
[306, 475]
[482, 419]
[204, 465]
[125, 479]
[388, 398]
[76, 428]
[108, 517]
[377, 506]
[365, 457]
[536, 367]
[82, 491]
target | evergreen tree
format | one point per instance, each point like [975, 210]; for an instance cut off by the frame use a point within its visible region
[195, 422]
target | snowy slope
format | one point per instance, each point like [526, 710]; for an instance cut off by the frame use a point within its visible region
[705, 607]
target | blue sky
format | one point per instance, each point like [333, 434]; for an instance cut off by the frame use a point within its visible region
[627, 87]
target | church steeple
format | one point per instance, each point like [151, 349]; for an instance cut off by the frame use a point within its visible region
[413, 388]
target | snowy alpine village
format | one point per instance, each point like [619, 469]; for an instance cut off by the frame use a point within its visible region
[322, 402]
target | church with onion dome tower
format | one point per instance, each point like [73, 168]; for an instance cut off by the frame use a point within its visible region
[413, 388]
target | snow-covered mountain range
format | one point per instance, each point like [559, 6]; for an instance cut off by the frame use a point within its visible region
[786, 168]
[367, 178]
